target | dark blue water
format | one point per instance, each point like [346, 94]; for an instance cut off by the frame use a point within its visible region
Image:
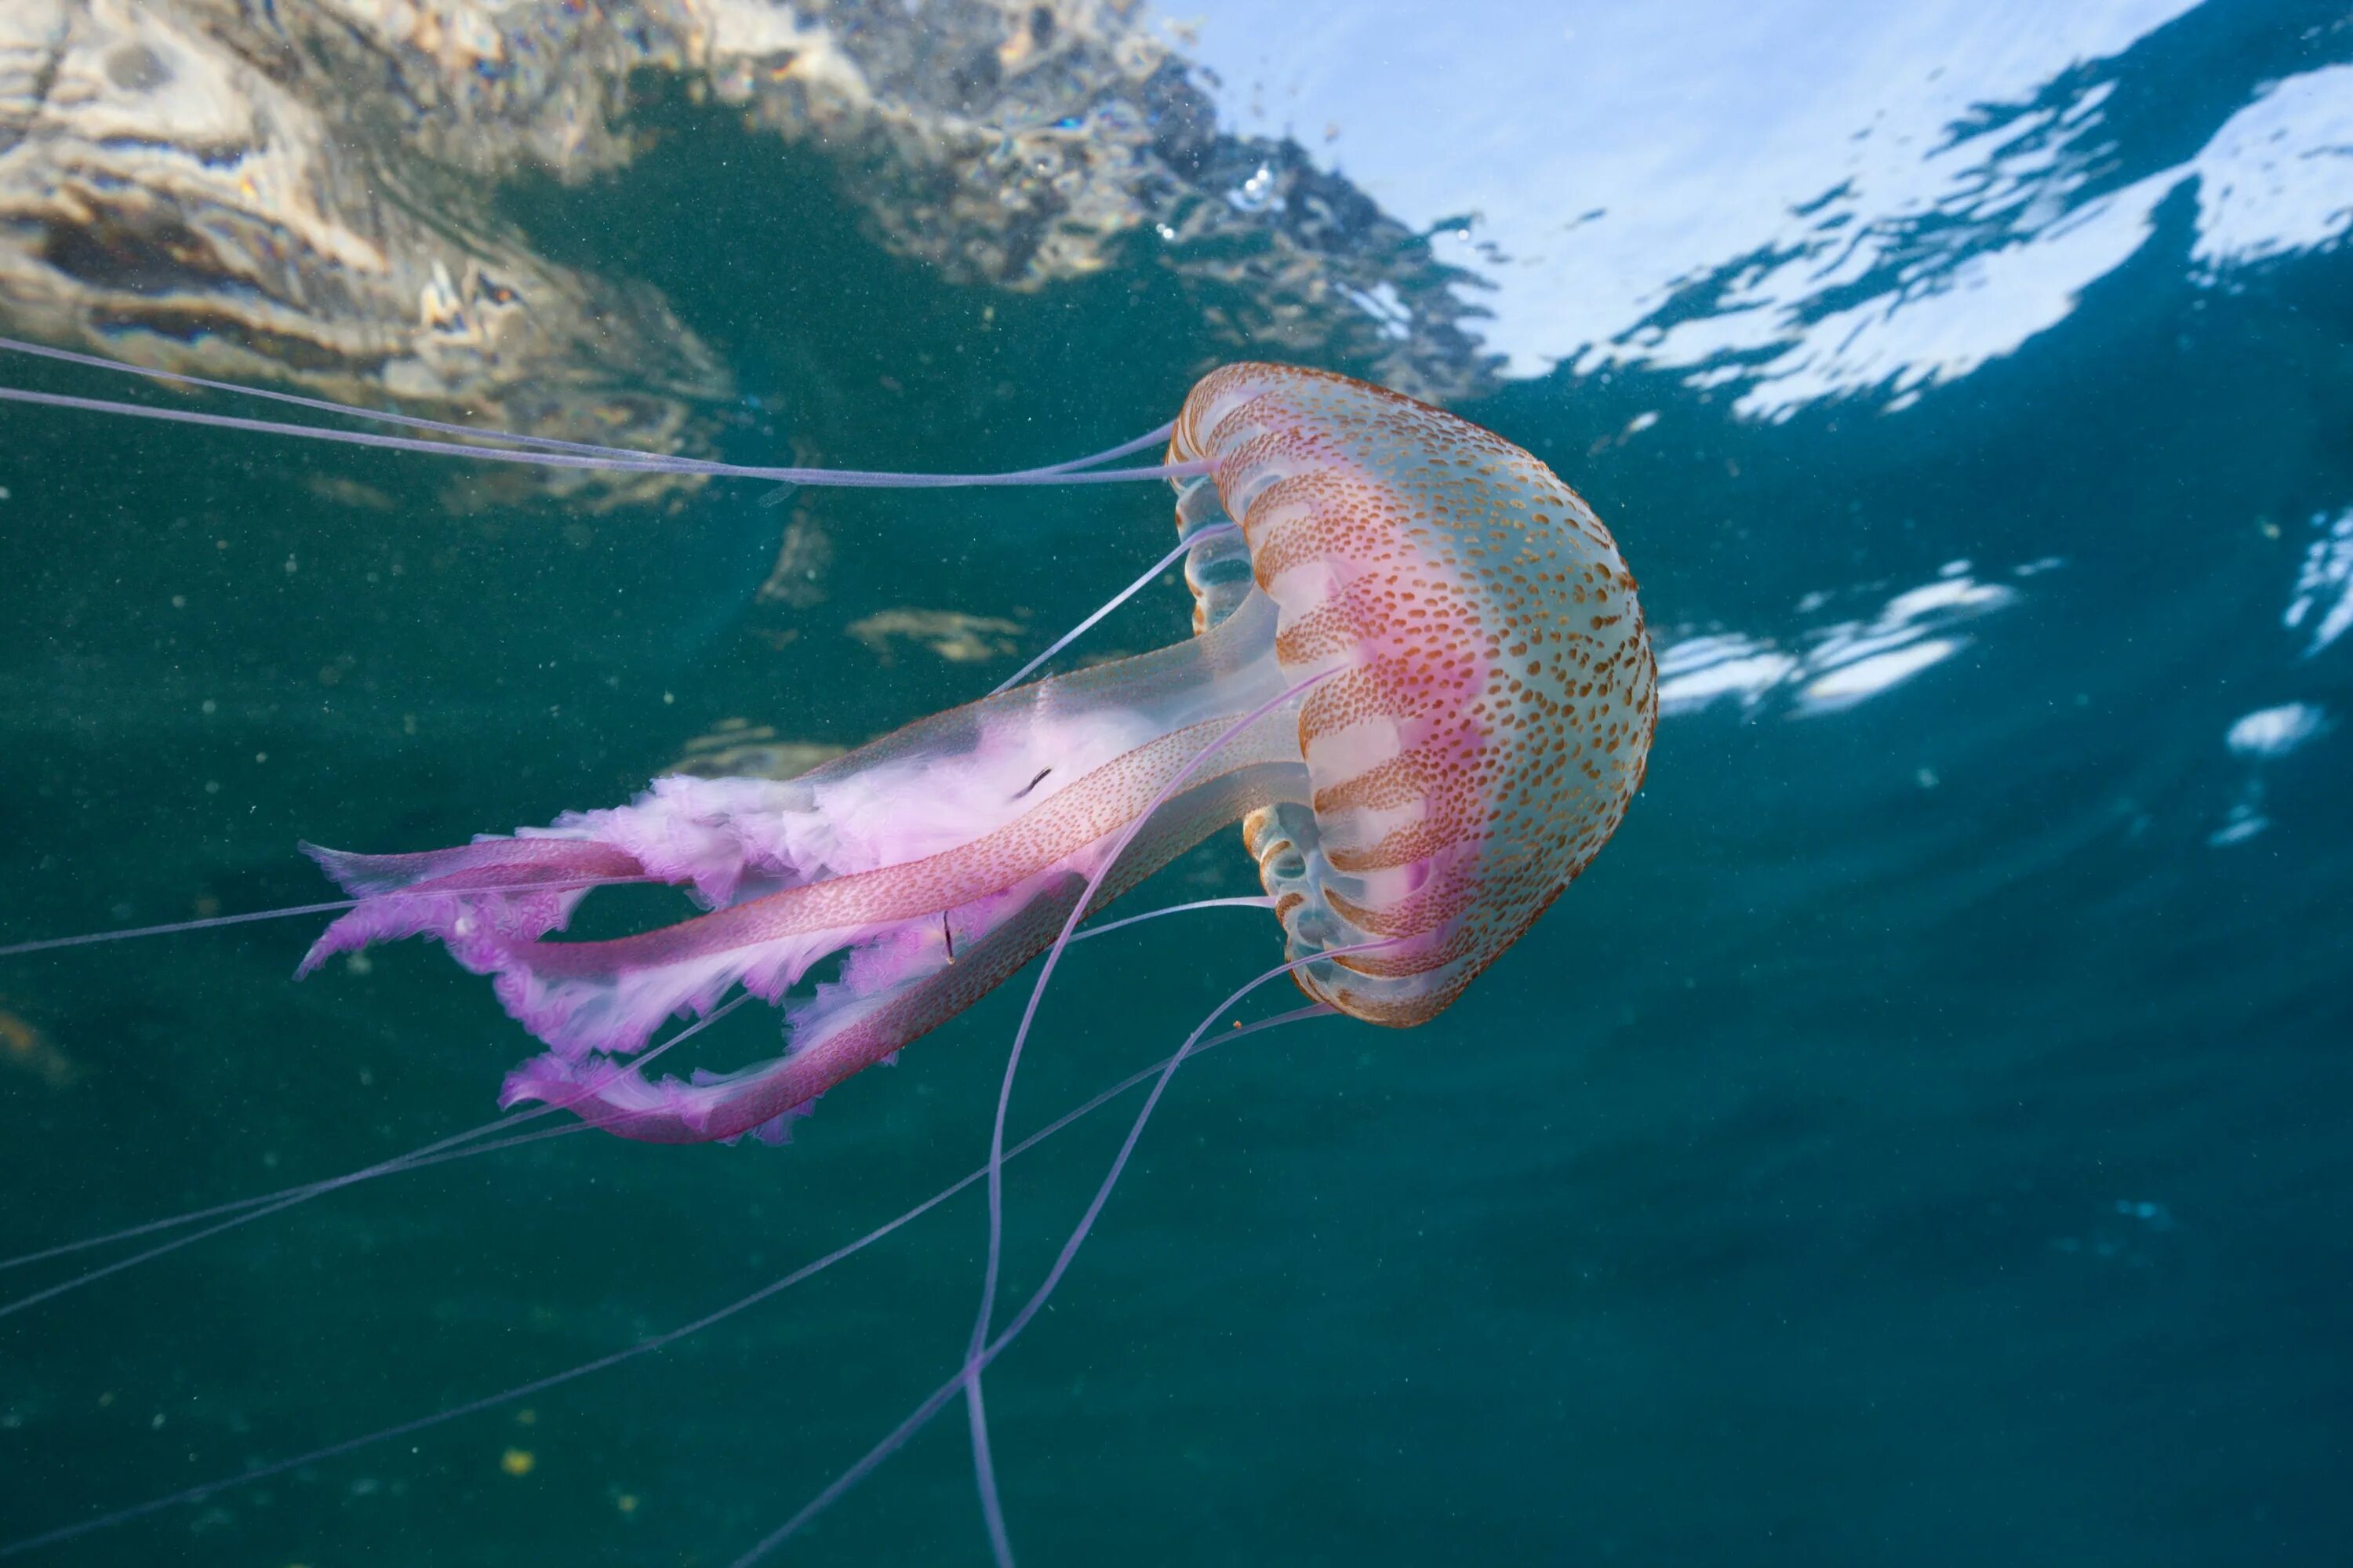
[1920, 1138]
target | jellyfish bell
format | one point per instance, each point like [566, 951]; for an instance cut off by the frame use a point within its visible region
[1420, 681]
[1494, 712]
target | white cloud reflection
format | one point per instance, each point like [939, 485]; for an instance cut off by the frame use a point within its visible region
[1836, 665]
[2263, 735]
[2245, 821]
[2324, 582]
[2276, 732]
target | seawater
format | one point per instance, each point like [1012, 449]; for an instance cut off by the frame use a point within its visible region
[1919, 1138]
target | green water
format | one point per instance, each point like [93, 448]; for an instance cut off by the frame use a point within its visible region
[1913, 1141]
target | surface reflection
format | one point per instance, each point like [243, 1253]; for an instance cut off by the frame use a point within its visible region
[1838, 664]
[1907, 194]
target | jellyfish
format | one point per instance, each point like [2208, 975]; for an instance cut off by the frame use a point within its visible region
[1418, 681]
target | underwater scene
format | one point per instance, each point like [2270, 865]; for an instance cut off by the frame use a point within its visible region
[1733, 721]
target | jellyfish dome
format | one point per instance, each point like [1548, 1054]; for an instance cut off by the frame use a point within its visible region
[1494, 711]
[1419, 680]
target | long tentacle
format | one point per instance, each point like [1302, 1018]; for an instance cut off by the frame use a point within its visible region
[208, 1489]
[984, 1467]
[588, 452]
[587, 1091]
[846, 479]
[1130, 591]
[250, 916]
[440, 1152]
[318, 405]
[422, 1159]
[896, 1438]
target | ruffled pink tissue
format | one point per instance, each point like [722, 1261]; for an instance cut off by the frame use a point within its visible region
[490, 901]
[480, 899]
[937, 860]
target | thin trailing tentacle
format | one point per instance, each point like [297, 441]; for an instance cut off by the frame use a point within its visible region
[430, 1155]
[1252, 901]
[319, 405]
[847, 479]
[632, 458]
[1122, 597]
[586, 1091]
[939, 1397]
[208, 1489]
[984, 1467]
[1155, 436]
[252, 917]
[984, 1471]
[441, 1151]
[91, 939]
[1151, 438]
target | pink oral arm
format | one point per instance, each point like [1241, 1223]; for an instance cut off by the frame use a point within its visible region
[865, 1018]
